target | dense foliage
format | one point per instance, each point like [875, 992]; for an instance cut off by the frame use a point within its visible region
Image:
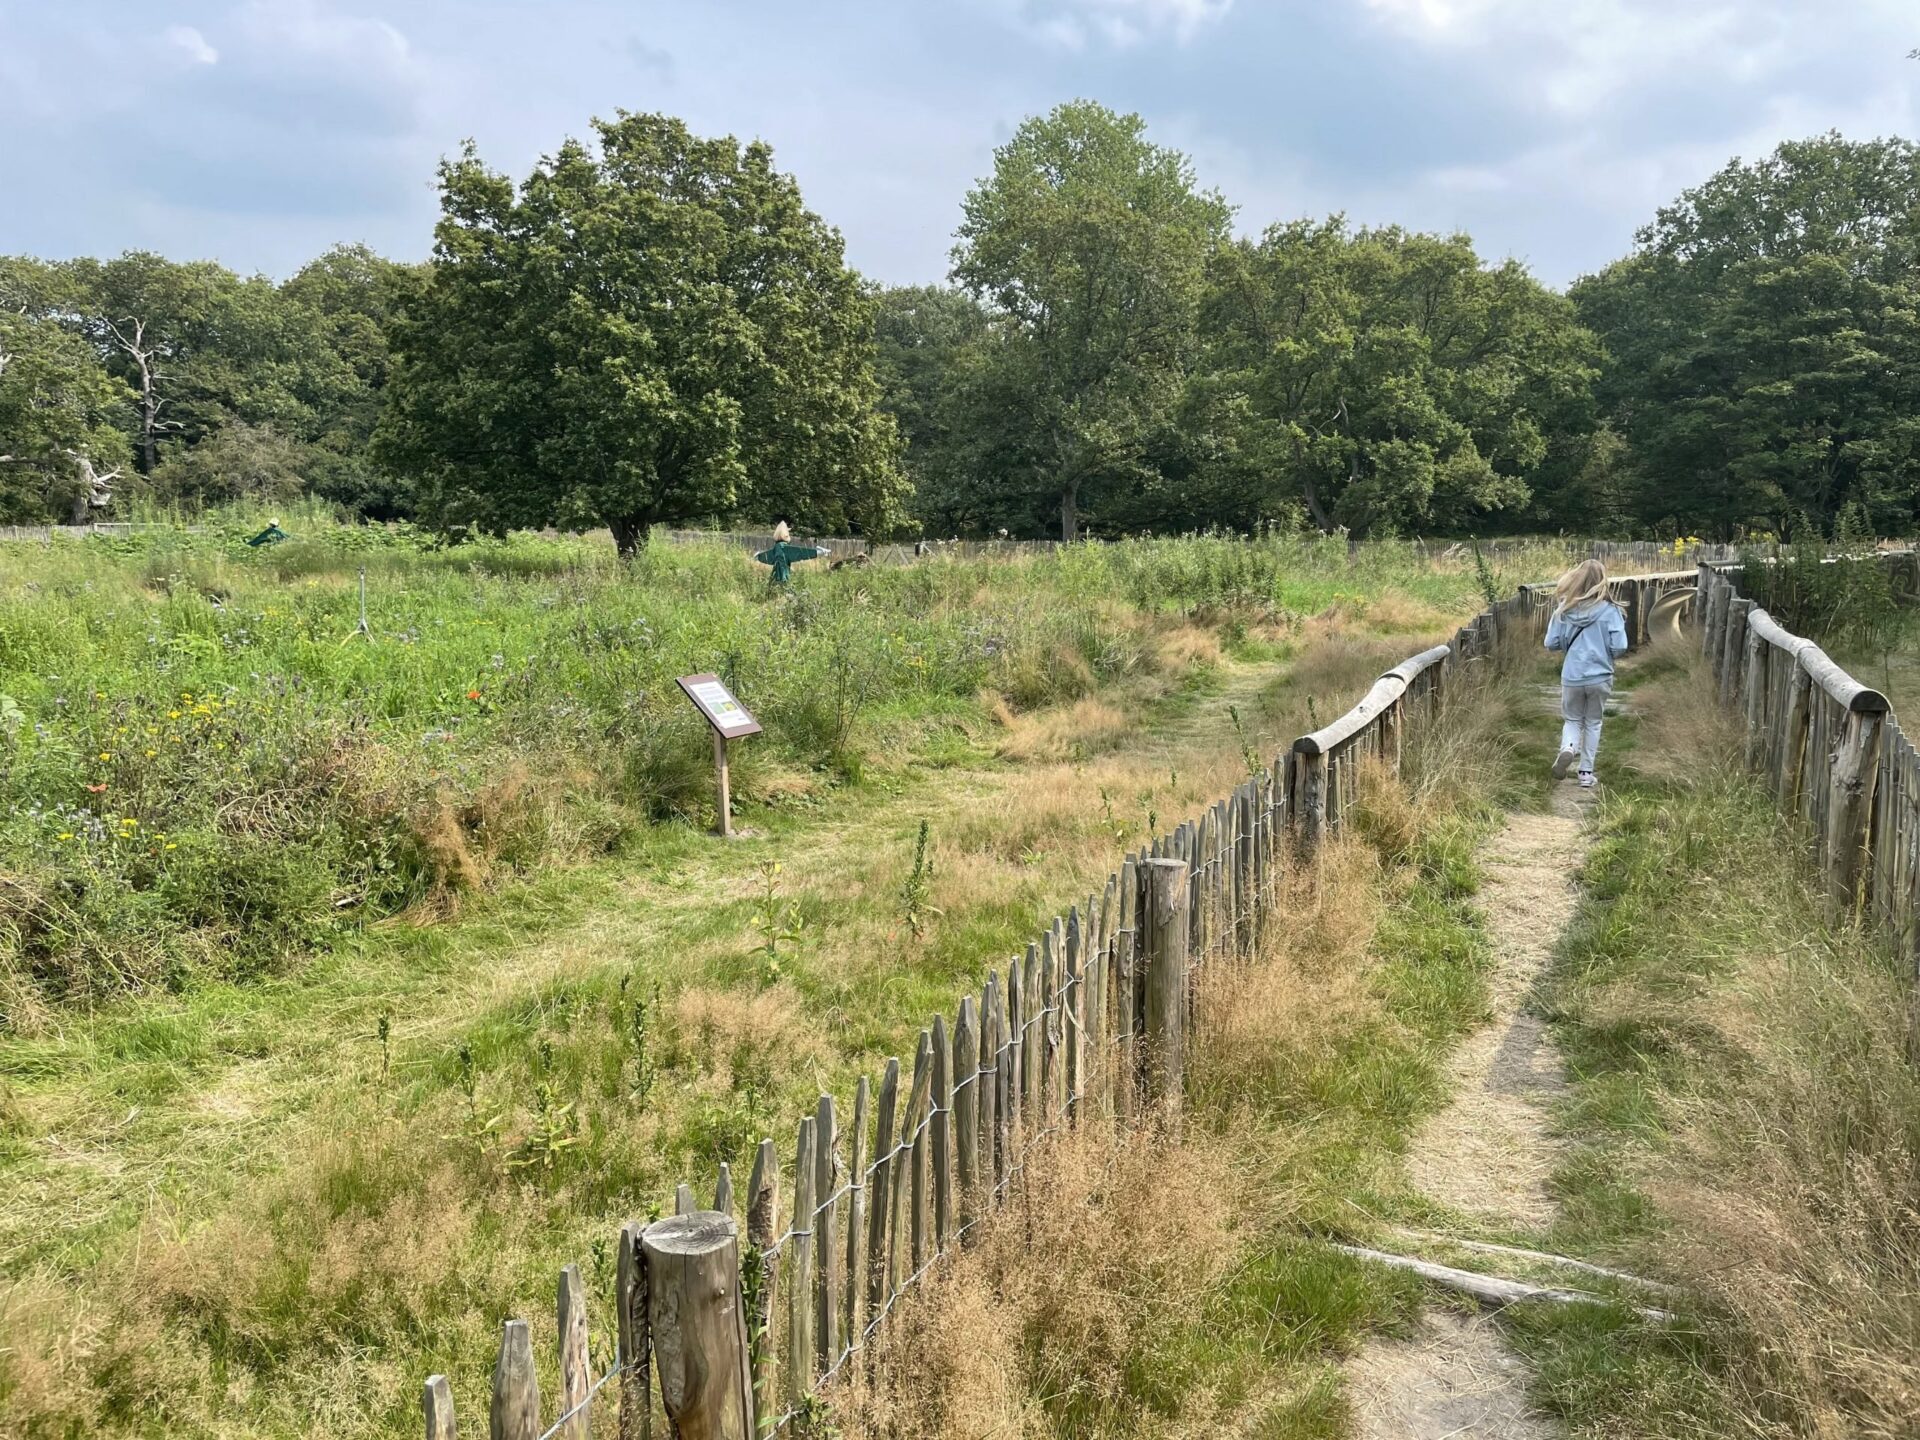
[654, 329]
[1762, 341]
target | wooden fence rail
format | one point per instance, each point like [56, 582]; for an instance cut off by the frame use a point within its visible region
[1090, 1027]
[1831, 750]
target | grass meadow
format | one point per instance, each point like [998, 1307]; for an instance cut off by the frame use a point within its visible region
[353, 981]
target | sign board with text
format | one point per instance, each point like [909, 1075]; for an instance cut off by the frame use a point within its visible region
[729, 718]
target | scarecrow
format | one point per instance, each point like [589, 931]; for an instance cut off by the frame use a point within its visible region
[783, 554]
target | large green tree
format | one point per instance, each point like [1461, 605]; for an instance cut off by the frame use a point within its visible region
[1763, 340]
[654, 329]
[343, 305]
[1089, 244]
[1381, 379]
[62, 416]
[925, 337]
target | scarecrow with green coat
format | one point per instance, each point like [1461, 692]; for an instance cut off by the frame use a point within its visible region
[783, 556]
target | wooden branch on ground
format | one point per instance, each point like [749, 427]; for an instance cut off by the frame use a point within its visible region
[1489, 1289]
[1658, 1287]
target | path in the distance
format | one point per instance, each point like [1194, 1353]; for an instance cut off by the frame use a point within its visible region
[1488, 1155]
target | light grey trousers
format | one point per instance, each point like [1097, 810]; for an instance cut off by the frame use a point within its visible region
[1581, 707]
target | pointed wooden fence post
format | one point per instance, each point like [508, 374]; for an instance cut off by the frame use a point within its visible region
[1166, 979]
[636, 1342]
[515, 1412]
[576, 1370]
[436, 1406]
[763, 1221]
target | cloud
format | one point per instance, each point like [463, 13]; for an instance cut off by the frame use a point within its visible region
[1122, 24]
[192, 44]
[650, 59]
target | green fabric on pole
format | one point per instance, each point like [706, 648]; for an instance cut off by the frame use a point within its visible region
[783, 557]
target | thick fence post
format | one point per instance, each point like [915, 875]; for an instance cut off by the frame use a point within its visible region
[1310, 797]
[699, 1325]
[1165, 911]
[1855, 760]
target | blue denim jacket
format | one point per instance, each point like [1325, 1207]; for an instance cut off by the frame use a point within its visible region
[1592, 636]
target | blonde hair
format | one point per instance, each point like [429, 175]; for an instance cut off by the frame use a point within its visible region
[781, 532]
[1584, 584]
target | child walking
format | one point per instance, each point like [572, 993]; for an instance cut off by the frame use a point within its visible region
[1592, 633]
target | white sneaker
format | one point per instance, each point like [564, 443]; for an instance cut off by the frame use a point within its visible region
[1563, 762]
[1588, 780]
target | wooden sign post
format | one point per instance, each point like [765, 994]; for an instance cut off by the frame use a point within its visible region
[730, 721]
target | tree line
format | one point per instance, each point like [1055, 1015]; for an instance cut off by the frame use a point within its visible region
[653, 328]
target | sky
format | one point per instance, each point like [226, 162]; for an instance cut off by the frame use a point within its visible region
[260, 132]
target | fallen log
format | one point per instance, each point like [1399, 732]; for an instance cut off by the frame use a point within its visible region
[1489, 1289]
[1658, 1287]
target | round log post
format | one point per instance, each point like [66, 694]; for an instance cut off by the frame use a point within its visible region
[1166, 979]
[1310, 797]
[699, 1326]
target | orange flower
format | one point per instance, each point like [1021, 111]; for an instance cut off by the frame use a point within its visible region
[473, 694]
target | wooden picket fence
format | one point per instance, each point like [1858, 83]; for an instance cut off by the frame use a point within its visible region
[1836, 758]
[1088, 1028]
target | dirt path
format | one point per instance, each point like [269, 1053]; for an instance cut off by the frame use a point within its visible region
[1452, 1377]
[1488, 1155]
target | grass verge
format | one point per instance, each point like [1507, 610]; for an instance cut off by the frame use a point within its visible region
[1745, 1119]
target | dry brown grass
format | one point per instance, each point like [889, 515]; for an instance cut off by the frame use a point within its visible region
[1105, 1246]
[1086, 727]
[1041, 1328]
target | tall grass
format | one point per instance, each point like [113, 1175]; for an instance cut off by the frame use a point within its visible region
[211, 767]
[1750, 1118]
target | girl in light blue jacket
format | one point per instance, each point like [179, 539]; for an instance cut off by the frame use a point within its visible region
[1591, 631]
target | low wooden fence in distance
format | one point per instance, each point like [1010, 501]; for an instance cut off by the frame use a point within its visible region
[1831, 749]
[1088, 1028]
